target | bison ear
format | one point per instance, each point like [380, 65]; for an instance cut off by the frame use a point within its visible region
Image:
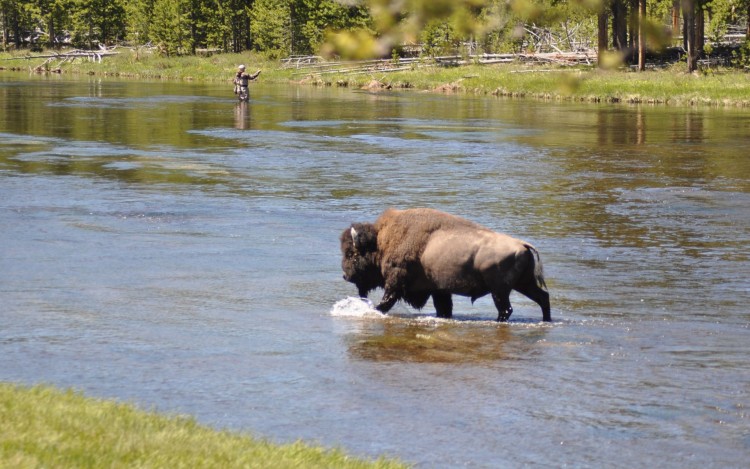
[364, 237]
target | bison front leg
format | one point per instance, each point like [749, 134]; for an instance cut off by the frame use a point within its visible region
[443, 304]
[502, 303]
[394, 285]
[386, 303]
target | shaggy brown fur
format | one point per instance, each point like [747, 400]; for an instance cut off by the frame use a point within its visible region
[360, 263]
[403, 234]
[417, 253]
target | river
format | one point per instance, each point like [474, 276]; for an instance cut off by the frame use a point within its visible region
[163, 245]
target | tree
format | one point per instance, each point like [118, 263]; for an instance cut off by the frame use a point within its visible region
[602, 32]
[18, 21]
[226, 24]
[270, 26]
[725, 12]
[138, 14]
[688, 18]
[170, 27]
[312, 19]
[641, 35]
[97, 21]
[439, 38]
[619, 25]
[401, 22]
[52, 15]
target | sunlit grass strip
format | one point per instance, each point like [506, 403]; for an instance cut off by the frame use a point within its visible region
[670, 86]
[149, 65]
[46, 427]
[723, 87]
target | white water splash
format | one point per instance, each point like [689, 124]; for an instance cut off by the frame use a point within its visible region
[355, 307]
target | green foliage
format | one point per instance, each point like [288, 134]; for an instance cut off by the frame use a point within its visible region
[170, 26]
[224, 24]
[270, 27]
[353, 28]
[285, 27]
[725, 12]
[97, 22]
[741, 58]
[217, 22]
[671, 86]
[399, 22]
[439, 38]
[313, 19]
[44, 427]
[504, 32]
[52, 16]
[138, 14]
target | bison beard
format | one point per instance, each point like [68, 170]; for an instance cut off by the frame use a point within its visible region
[417, 253]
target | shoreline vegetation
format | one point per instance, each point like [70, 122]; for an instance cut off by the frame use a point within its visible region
[670, 85]
[42, 426]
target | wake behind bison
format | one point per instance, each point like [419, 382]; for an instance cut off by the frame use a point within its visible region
[417, 253]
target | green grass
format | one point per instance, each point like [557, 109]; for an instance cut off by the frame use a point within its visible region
[670, 86]
[722, 87]
[146, 64]
[45, 427]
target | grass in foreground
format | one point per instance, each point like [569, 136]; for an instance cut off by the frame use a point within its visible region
[45, 427]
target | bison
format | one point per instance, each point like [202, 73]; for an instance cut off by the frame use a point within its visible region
[417, 253]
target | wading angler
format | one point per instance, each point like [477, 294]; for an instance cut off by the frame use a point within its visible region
[241, 82]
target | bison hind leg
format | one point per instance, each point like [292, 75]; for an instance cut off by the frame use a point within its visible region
[539, 296]
[502, 303]
[443, 304]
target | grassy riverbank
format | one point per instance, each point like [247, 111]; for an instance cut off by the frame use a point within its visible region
[45, 427]
[715, 87]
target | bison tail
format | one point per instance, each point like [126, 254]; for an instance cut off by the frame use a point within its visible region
[538, 268]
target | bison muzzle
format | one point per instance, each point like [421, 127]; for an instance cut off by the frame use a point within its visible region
[420, 253]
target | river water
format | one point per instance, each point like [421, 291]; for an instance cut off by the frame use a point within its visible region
[162, 245]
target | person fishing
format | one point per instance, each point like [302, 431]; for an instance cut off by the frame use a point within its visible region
[241, 80]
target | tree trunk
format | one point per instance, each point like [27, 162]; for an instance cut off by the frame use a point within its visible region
[619, 25]
[633, 28]
[641, 36]
[684, 28]
[700, 30]
[4, 17]
[688, 12]
[675, 17]
[602, 36]
[17, 30]
[51, 31]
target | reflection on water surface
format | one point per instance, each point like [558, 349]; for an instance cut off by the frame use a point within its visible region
[449, 342]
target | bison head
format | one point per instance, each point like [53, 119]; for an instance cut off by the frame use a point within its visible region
[359, 246]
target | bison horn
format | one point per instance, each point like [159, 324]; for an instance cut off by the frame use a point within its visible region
[354, 236]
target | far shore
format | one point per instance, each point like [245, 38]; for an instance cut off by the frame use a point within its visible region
[718, 87]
